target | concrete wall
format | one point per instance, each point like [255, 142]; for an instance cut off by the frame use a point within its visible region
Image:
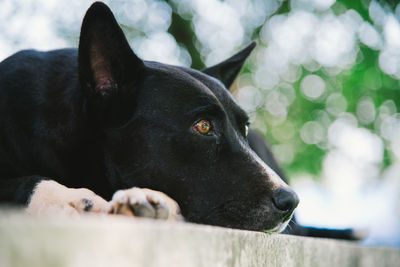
[118, 241]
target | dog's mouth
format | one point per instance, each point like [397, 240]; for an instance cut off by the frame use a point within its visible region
[280, 227]
[228, 216]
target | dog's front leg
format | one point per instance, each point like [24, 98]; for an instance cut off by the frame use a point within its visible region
[143, 202]
[50, 197]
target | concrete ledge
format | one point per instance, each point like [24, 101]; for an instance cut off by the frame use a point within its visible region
[118, 241]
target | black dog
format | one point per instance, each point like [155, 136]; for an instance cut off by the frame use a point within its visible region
[102, 119]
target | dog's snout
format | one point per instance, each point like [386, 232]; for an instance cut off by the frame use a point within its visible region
[285, 200]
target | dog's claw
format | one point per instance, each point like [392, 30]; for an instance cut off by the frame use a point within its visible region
[88, 204]
[144, 210]
[161, 206]
[83, 200]
[144, 203]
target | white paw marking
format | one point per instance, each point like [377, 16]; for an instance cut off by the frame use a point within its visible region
[50, 197]
[141, 202]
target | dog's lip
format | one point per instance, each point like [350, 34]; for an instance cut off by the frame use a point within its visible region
[279, 228]
[287, 217]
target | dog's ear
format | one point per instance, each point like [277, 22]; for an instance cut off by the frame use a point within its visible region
[108, 68]
[227, 70]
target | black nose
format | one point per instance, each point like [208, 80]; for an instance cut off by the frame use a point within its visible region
[285, 199]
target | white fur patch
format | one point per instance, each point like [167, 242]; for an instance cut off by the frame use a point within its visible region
[145, 202]
[50, 197]
[273, 177]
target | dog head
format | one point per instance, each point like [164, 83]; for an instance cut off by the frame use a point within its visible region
[177, 130]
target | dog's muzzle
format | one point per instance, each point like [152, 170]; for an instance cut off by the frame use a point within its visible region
[285, 200]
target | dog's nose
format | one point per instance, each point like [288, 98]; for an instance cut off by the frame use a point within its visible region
[285, 200]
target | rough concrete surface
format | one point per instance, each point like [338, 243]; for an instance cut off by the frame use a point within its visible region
[27, 241]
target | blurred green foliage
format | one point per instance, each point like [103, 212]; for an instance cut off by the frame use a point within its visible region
[353, 84]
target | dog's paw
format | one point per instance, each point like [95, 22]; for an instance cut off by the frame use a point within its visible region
[84, 200]
[50, 198]
[141, 202]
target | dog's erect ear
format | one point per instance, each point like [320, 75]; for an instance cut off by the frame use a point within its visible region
[227, 70]
[108, 68]
[106, 60]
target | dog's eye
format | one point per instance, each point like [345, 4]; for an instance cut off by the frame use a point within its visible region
[203, 127]
[246, 130]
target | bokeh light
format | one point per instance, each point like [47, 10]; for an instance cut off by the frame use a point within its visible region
[322, 85]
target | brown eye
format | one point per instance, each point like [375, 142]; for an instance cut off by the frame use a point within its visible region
[203, 127]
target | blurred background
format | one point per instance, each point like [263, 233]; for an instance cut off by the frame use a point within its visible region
[322, 86]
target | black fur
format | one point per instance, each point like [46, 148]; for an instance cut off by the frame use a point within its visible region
[101, 118]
